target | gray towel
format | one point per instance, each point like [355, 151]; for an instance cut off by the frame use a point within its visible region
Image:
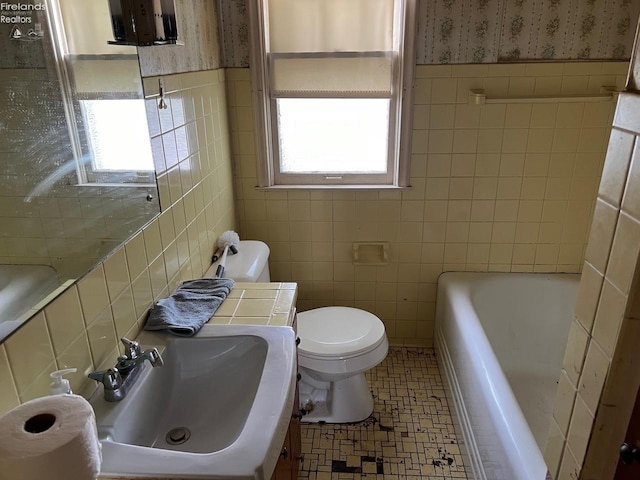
[190, 306]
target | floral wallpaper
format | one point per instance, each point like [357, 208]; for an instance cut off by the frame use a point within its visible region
[561, 29]
[235, 33]
[488, 31]
[199, 41]
[458, 31]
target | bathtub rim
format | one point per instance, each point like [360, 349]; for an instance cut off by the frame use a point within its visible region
[42, 281]
[461, 423]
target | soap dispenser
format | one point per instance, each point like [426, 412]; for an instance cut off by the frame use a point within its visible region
[60, 385]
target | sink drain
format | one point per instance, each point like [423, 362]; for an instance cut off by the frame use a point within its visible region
[177, 436]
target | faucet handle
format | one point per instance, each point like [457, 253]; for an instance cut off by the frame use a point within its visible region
[110, 378]
[154, 357]
[131, 348]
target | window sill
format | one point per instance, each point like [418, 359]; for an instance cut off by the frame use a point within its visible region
[111, 185]
[333, 187]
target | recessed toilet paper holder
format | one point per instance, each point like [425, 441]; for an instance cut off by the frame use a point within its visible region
[370, 253]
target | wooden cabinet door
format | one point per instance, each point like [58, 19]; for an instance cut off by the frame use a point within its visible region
[289, 461]
[632, 438]
[283, 467]
[295, 437]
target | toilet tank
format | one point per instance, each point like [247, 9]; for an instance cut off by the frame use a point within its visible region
[250, 264]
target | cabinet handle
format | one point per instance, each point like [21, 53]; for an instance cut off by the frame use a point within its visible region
[284, 453]
[298, 377]
[301, 413]
[628, 455]
[297, 341]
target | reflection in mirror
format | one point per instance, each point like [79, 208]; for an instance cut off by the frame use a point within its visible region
[77, 177]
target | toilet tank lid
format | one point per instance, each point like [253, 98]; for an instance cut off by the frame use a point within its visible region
[247, 264]
[331, 331]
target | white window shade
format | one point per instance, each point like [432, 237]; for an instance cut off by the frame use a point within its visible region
[339, 77]
[330, 25]
[338, 48]
[103, 75]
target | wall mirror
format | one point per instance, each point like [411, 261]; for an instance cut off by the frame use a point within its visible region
[77, 174]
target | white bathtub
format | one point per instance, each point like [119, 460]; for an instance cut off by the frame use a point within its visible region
[21, 287]
[500, 340]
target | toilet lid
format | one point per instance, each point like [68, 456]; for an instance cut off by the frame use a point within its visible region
[331, 331]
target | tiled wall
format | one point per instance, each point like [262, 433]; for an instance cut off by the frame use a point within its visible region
[81, 328]
[600, 374]
[495, 187]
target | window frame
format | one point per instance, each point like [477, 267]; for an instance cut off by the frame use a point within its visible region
[400, 117]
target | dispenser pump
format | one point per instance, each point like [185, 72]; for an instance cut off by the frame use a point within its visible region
[60, 385]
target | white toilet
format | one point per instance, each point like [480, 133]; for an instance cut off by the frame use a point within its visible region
[337, 345]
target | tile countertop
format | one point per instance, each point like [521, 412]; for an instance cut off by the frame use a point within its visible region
[258, 304]
[250, 304]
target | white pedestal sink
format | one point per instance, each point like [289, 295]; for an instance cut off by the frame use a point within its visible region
[218, 408]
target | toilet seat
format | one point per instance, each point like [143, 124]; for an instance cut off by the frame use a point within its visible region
[338, 333]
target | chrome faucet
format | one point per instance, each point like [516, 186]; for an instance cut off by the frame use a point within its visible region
[119, 379]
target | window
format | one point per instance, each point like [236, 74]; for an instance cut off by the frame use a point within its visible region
[102, 96]
[333, 92]
[113, 129]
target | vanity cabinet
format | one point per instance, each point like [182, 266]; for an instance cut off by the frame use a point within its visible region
[289, 461]
[290, 456]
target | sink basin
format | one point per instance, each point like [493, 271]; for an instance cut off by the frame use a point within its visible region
[218, 408]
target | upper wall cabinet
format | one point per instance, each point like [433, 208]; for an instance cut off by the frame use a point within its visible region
[143, 22]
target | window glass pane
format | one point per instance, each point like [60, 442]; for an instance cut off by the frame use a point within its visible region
[319, 135]
[114, 129]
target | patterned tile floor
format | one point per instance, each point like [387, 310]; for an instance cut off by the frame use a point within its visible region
[409, 436]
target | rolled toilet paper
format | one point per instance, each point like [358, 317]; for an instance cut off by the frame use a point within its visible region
[50, 437]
